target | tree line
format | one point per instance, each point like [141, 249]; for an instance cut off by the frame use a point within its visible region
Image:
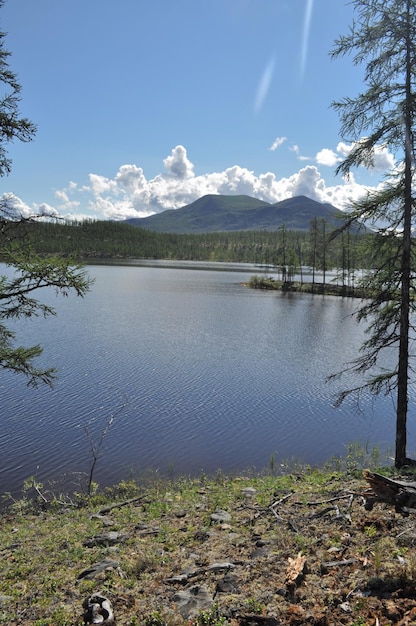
[321, 247]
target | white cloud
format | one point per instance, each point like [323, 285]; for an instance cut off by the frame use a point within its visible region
[277, 143]
[383, 160]
[65, 203]
[46, 210]
[178, 164]
[100, 185]
[295, 148]
[327, 157]
[130, 194]
[344, 148]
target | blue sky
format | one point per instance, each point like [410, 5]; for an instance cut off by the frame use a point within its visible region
[146, 105]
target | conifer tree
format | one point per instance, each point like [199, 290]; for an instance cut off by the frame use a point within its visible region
[28, 272]
[383, 39]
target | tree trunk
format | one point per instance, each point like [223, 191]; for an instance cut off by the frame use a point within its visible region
[403, 368]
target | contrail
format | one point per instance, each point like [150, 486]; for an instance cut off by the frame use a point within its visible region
[264, 85]
[305, 36]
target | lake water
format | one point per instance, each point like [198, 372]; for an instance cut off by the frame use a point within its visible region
[198, 373]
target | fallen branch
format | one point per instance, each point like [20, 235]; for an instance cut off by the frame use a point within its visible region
[118, 505]
[273, 506]
[328, 509]
[347, 496]
[329, 564]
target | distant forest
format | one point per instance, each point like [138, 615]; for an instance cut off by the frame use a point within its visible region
[320, 247]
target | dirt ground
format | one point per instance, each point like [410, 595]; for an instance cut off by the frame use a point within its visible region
[248, 551]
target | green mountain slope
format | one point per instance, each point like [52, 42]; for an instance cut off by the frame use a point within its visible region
[218, 213]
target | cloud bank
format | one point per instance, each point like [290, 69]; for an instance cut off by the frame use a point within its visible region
[130, 194]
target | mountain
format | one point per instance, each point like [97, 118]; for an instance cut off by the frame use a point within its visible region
[217, 213]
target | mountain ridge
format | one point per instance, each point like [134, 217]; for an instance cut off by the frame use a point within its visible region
[219, 213]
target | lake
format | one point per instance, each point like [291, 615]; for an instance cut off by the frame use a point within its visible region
[195, 372]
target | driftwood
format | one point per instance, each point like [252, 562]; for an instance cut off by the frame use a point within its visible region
[400, 493]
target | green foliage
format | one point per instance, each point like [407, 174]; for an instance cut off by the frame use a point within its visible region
[155, 619]
[211, 617]
[382, 116]
[279, 249]
[263, 282]
[12, 126]
[254, 606]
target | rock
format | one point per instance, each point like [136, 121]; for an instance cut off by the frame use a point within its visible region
[201, 536]
[261, 543]
[260, 553]
[193, 600]
[95, 569]
[258, 620]
[145, 529]
[106, 521]
[345, 607]
[97, 610]
[216, 567]
[106, 539]
[220, 516]
[228, 584]
[180, 578]
[249, 492]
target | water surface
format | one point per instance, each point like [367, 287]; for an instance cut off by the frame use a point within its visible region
[198, 372]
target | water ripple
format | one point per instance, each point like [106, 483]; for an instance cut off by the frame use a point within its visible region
[199, 372]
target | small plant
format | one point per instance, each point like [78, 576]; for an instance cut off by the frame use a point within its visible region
[155, 619]
[95, 446]
[210, 617]
[370, 531]
[272, 463]
[144, 563]
[301, 541]
[378, 554]
[254, 606]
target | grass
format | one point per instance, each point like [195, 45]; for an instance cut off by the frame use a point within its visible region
[170, 532]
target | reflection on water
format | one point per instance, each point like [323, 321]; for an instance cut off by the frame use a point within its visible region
[213, 374]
